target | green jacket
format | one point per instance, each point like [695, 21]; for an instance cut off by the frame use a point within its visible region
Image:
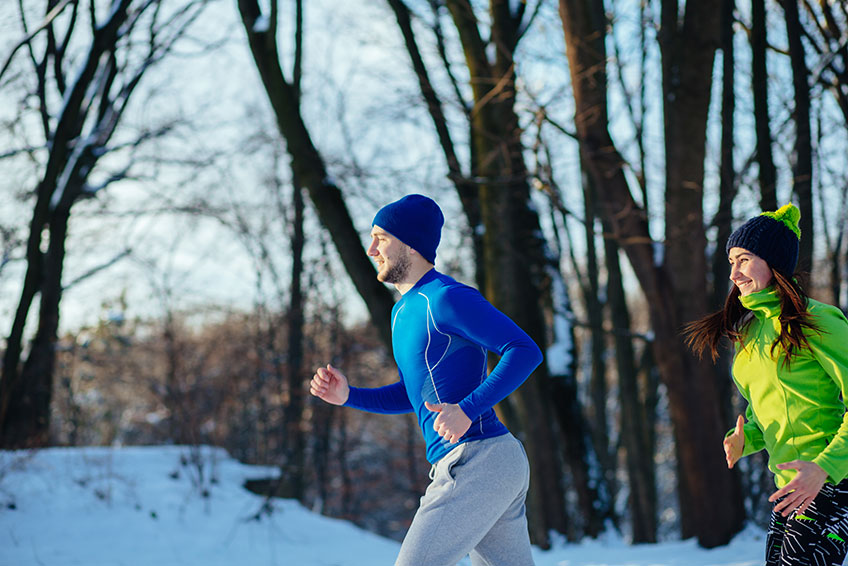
[796, 412]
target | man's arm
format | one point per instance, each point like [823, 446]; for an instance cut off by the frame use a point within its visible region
[388, 400]
[465, 312]
[332, 386]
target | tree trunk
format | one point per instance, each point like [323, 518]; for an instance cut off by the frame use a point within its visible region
[293, 413]
[16, 396]
[466, 189]
[595, 481]
[29, 417]
[676, 291]
[802, 168]
[594, 497]
[759, 85]
[724, 217]
[598, 390]
[727, 184]
[687, 56]
[514, 259]
[514, 288]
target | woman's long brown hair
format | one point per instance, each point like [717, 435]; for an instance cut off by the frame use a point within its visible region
[705, 335]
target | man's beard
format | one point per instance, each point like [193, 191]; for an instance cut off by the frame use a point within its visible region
[398, 271]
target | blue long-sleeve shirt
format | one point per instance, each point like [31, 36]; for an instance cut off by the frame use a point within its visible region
[441, 332]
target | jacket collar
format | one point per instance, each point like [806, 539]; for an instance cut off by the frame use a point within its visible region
[765, 302]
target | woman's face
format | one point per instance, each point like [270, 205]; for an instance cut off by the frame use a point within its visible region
[749, 272]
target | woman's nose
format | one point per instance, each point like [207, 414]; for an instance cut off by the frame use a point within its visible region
[734, 271]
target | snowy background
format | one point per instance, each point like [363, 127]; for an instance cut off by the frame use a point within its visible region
[188, 506]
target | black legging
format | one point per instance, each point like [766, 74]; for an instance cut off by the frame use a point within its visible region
[819, 537]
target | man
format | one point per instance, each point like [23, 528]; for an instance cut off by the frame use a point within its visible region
[441, 333]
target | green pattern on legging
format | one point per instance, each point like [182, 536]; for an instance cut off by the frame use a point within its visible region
[817, 537]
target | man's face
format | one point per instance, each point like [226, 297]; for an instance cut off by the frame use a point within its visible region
[748, 271]
[391, 256]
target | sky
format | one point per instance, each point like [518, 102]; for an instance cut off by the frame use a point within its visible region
[224, 121]
[361, 103]
[184, 506]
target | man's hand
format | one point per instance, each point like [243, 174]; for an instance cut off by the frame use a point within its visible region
[803, 488]
[735, 443]
[451, 422]
[330, 385]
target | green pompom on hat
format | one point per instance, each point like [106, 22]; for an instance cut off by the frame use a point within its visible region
[773, 236]
[789, 215]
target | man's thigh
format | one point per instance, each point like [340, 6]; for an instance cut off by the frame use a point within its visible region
[473, 487]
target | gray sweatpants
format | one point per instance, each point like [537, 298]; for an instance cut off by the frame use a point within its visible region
[474, 506]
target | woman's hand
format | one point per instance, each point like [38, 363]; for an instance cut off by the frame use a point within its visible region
[803, 488]
[735, 443]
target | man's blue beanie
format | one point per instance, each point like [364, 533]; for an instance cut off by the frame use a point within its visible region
[416, 221]
[772, 236]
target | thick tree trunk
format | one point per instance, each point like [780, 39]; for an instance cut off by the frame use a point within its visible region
[513, 286]
[27, 421]
[515, 264]
[78, 136]
[16, 396]
[687, 52]
[676, 292]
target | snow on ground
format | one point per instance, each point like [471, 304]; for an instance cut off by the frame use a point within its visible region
[162, 506]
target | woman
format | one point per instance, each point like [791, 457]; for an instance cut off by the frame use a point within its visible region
[791, 365]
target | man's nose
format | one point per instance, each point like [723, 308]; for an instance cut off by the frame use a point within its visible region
[372, 249]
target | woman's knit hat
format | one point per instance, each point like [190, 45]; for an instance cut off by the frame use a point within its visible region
[416, 221]
[773, 236]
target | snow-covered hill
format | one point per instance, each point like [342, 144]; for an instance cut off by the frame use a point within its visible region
[162, 506]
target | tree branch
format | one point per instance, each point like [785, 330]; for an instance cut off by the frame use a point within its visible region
[29, 37]
[97, 269]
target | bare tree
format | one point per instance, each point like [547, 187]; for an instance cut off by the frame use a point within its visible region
[118, 47]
